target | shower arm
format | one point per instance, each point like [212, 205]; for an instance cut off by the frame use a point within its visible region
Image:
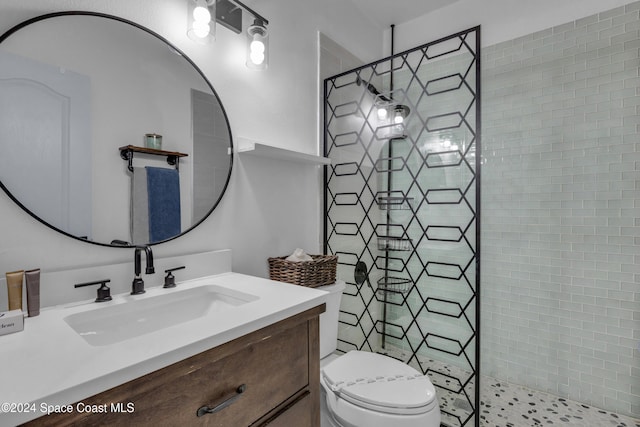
[371, 88]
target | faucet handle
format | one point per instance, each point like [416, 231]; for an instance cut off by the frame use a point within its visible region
[104, 292]
[170, 280]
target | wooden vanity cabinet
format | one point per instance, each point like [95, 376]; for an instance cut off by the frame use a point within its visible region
[278, 366]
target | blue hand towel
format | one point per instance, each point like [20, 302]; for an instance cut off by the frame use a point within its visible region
[163, 188]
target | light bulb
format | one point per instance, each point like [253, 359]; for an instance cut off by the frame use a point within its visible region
[201, 14]
[201, 29]
[382, 113]
[256, 52]
[398, 119]
[257, 46]
[201, 22]
[257, 57]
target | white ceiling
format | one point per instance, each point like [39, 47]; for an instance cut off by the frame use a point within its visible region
[387, 12]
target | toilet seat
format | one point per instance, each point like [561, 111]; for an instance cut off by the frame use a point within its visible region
[379, 383]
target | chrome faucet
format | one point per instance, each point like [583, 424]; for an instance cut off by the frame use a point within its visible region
[137, 287]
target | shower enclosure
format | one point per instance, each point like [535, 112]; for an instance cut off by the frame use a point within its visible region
[402, 212]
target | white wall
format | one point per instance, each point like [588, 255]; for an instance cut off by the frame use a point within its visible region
[500, 19]
[271, 207]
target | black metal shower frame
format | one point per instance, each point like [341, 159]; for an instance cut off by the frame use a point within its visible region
[477, 178]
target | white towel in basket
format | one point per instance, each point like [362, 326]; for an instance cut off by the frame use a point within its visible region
[299, 255]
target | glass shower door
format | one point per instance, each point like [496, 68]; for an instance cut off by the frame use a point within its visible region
[402, 202]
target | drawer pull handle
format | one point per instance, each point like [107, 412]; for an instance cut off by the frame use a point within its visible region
[204, 410]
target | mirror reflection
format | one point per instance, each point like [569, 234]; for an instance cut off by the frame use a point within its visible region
[74, 89]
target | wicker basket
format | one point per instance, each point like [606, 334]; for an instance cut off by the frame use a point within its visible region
[318, 272]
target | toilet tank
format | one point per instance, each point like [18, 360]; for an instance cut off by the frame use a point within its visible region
[329, 319]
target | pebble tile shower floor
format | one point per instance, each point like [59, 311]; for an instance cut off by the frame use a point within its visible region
[510, 405]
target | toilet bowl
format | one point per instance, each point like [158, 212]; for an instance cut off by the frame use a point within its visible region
[364, 389]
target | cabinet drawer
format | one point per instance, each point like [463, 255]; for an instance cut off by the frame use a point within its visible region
[272, 370]
[273, 365]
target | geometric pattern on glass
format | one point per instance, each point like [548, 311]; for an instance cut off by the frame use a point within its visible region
[402, 196]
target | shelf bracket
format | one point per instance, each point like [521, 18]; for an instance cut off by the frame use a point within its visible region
[128, 156]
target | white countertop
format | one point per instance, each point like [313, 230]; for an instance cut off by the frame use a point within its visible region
[50, 364]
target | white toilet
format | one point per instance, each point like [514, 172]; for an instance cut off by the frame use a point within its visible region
[364, 389]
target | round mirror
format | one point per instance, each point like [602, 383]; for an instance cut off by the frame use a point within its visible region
[109, 133]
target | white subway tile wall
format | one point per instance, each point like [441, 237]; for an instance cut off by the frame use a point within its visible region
[560, 213]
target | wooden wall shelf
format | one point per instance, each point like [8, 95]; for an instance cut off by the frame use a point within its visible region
[127, 151]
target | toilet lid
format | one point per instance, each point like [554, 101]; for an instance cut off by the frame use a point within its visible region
[379, 382]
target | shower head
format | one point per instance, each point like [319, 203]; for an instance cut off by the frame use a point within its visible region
[400, 111]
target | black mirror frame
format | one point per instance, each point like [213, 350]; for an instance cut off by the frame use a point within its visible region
[28, 22]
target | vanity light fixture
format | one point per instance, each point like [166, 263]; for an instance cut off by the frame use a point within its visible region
[204, 14]
[201, 26]
[257, 46]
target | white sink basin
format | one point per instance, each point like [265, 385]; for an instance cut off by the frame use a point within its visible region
[130, 318]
